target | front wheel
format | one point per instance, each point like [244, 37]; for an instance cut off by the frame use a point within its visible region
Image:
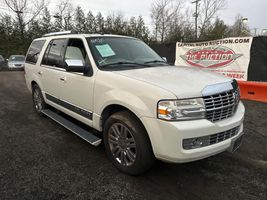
[38, 100]
[127, 143]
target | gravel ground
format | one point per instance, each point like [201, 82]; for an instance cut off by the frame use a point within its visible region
[39, 159]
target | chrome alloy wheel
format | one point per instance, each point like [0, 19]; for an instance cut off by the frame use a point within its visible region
[122, 144]
[37, 99]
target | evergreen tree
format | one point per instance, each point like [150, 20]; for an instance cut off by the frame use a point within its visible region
[100, 23]
[118, 25]
[131, 29]
[219, 30]
[109, 24]
[79, 20]
[142, 31]
[90, 26]
[45, 22]
[6, 32]
[34, 30]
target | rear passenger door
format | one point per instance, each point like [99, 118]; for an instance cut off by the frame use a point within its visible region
[52, 68]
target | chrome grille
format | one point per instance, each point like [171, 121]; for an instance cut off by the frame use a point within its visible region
[221, 106]
[219, 137]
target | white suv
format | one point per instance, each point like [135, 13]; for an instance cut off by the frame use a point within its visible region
[142, 107]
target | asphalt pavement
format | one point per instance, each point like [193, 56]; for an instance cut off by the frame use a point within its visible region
[39, 159]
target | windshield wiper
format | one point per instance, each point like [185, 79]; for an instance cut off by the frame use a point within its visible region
[124, 63]
[156, 61]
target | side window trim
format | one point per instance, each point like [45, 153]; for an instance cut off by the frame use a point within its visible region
[63, 51]
[47, 51]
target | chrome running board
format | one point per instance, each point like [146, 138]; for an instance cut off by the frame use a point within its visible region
[86, 135]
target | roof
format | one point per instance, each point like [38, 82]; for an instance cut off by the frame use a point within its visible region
[70, 34]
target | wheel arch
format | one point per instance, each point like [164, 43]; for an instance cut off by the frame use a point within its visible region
[34, 82]
[110, 110]
[114, 108]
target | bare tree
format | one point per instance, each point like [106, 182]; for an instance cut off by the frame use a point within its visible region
[164, 14]
[25, 11]
[64, 15]
[208, 11]
[239, 28]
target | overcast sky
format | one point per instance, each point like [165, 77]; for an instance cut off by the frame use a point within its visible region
[254, 10]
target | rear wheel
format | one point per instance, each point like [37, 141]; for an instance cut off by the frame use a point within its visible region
[38, 100]
[127, 143]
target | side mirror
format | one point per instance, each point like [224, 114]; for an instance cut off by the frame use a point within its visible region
[7, 60]
[165, 59]
[74, 66]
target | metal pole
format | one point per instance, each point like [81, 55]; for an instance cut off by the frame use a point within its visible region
[255, 31]
[196, 16]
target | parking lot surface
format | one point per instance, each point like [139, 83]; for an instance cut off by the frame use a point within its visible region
[40, 159]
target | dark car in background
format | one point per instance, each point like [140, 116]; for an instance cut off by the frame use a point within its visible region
[16, 62]
[2, 62]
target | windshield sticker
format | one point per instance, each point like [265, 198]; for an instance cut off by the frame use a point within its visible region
[105, 50]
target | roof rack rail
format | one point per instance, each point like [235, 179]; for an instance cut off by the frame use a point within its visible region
[59, 33]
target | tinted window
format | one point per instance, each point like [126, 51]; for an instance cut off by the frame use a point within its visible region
[16, 58]
[34, 51]
[53, 55]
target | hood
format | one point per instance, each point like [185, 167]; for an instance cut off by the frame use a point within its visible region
[184, 82]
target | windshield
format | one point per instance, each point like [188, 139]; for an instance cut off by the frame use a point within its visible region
[17, 58]
[121, 53]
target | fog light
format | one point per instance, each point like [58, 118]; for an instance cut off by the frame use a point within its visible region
[198, 142]
[194, 143]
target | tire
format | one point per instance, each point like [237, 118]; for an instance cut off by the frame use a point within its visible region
[38, 100]
[127, 143]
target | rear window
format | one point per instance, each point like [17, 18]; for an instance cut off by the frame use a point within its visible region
[34, 51]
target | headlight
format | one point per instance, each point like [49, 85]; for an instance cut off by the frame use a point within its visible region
[186, 109]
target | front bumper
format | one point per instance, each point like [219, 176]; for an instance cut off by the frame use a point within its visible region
[167, 137]
[11, 67]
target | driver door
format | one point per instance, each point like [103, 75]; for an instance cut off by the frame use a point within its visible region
[77, 88]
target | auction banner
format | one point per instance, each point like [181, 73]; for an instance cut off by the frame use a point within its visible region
[229, 56]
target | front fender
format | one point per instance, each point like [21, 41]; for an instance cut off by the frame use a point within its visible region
[128, 100]
[139, 97]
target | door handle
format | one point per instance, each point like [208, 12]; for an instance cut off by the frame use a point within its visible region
[63, 79]
[40, 73]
